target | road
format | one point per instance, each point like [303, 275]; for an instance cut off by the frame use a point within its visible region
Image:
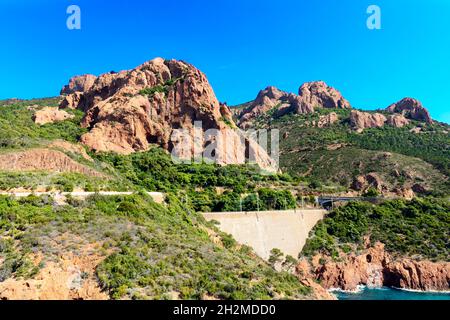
[158, 197]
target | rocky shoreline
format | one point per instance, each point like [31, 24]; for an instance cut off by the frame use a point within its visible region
[376, 268]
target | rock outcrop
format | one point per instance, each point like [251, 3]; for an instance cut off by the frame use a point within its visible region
[363, 120]
[411, 109]
[375, 268]
[371, 180]
[266, 100]
[72, 277]
[397, 120]
[79, 84]
[327, 120]
[131, 110]
[312, 95]
[50, 115]
[319, 95]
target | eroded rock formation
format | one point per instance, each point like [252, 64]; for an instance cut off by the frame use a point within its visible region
[319, 95]
[363, 120]
[364, 182]
[397, 120]
[411, 109]
[130, 110]
[72, 277]
[79, 84]
[327, 120]
[311, 95]
[42, 159]
[50, 115]
[375, 268]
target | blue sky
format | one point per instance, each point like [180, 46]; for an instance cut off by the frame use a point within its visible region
[241, 45]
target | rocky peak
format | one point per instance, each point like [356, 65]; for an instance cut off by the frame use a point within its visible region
[130, 110]
[319, 94]
[411, 109]
[266, 100]
[270, 93]
[79, 84]
[311, 95]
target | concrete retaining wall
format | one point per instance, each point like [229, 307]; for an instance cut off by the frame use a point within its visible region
[265, 230]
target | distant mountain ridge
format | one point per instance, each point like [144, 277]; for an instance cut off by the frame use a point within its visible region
[325, 139]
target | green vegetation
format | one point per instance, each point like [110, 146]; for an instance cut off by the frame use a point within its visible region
[18, 130]
[198, 184]
[67, 182]
[228, 122]
[152, 250]
[164, 88]
[157, 251]
[418, 228]
[335, 155]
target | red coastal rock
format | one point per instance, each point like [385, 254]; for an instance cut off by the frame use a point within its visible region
[375, 268]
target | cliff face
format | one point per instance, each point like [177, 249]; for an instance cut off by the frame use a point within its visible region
[130, 110]
[362, 120]
[79, 84]
[376, 268]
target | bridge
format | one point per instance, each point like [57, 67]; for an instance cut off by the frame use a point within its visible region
[327, 202]
[265, 230]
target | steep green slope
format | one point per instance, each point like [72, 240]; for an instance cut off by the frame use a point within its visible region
[18, 130]
[418, 228]
[337, 154]
[152, 251]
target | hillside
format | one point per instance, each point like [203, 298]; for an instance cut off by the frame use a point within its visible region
[129, 247]
[398, 151]
[401, 244]
[114, 133]
[124, 246]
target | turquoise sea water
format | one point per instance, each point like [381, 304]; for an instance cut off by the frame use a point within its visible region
[390, 294]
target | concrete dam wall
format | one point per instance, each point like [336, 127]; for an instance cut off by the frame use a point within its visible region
[265, 230]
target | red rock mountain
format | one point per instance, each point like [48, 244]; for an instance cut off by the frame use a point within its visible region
[411, 109]
[130, 110]
[311, 95]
